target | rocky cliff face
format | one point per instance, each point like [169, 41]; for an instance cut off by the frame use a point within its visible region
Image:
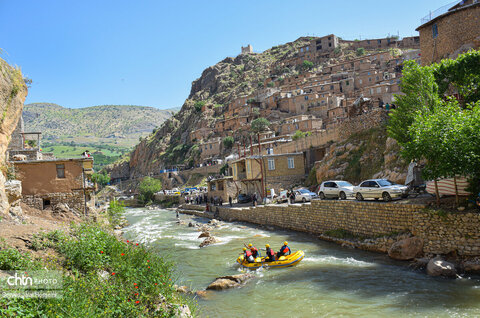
[216, 87]
[13, 92]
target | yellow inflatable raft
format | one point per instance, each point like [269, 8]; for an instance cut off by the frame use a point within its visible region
[283, 261]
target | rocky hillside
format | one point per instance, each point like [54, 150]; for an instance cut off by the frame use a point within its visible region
[123, 124]
[13, 92]
[216, 87]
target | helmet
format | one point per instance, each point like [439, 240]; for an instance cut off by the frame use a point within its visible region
[267, 246]
[250, 245]
[244, 249]
[285, 243]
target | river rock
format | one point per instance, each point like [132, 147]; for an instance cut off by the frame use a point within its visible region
[213, 221]
[183, 312]
[204, 294]
[182, 289]
[226, 282]
[208, 241]
[438, 267]
[406, 249]
[190, 224]
[204, 234]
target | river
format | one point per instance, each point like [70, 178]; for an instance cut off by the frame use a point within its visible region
[331, 281]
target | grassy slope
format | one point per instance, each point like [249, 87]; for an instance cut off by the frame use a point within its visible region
[109, 124]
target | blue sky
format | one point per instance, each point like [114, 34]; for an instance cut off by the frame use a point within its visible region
[147, 52]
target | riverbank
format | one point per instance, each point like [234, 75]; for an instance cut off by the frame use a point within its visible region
[370, 226]
[103, 275]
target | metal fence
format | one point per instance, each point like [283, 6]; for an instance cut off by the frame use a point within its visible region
[438, 12]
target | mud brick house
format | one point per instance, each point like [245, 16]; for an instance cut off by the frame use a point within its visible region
[223, 188]
[46, 183]
[256, 174]
[449, 31]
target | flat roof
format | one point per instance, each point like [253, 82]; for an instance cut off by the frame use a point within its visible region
[52, 160]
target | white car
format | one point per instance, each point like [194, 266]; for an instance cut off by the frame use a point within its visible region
[302, 195]
[336, 189]
[379, 188]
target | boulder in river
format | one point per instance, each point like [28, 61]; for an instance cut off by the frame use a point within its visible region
[208, 241]
[232, 281]
[190, 224]
[204, 294]
[438, 267]
[406, 249]
[204, 234]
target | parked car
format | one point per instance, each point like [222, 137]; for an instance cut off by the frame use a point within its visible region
[313, 195]
[379, 188]
[244, 198]
[282, 196]
[302, 195]
[336, 189]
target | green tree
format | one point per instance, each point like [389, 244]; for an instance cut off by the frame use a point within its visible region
[360, 51]
[228, 142]
[298, 135]
[259, 125]
[198, 105]
[148, 187]
[307, 65]
[435, 128]
[420, 91]
[101, 179]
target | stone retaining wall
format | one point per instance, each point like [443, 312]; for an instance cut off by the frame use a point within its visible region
[442, 233]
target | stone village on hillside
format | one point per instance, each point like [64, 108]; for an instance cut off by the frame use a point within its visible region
[332, 97]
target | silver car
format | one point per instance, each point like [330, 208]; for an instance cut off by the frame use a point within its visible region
[379, 188]
[335, 189]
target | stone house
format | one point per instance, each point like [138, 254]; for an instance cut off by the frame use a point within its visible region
[247, 49]
[303, 123]
[200, 134]
[46, 183]
[210, 148]
[256, 174]
[223, 188]
[447, 33]
[325, 44]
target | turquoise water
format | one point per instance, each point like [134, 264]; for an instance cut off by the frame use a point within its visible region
[331, 281]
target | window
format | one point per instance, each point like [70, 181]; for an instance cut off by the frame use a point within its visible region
[379, 41]
[220, 186]
[306, 97]
[307, 48]
[61, 171]
[379, 89]
[296, 125]
[377, 78]
[291, 162]
[301, 50]
[435, 31]
[347, 82]
[235, 170]
[329, 44]
[331, 86]
[360, 81]
[329, 38]
[248, 166]
[368, 41]
[210, 146]
[369, 79]
[271, 164]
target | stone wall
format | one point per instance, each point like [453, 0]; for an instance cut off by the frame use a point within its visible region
[441, 233]
[458, 31]
[73, 200]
